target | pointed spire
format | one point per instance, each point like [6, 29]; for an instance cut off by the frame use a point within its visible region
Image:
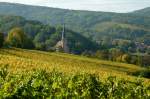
[63, 32]
[62, 44]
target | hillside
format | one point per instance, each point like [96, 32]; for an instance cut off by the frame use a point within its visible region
[51, 53]
[36, 74]
[119, 30]
[45, 37]
[20, 60]
[85, 22]
[143, 12]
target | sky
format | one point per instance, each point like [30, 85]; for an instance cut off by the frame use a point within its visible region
[121, 6]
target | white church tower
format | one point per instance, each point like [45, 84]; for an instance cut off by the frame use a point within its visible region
[62, 46]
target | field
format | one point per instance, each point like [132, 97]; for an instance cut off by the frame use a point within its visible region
[25, 60]
[48, 75]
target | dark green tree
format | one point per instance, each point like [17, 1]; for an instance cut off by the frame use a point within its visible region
[1, 39]
[17, 38]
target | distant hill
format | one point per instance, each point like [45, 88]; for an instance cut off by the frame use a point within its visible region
[88, 23]
[143, 12]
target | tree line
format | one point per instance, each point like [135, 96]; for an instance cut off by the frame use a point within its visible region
[46, 41]
[19, 32]
[18, 38]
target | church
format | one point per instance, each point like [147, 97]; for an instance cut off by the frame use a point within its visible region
[61, 45]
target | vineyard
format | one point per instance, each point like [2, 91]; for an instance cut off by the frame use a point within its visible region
[37, 74]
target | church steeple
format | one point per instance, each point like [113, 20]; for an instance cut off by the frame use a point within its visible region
[63, 32]
[62, 44]
[63, 40]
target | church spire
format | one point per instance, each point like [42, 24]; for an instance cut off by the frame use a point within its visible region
[63, 32]
[62, 44]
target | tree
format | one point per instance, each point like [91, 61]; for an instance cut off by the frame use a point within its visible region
[17, 38]
[103, 54]
[1, 39]
[40, 46]
[125, 58]
[148, 51]
[115, 54]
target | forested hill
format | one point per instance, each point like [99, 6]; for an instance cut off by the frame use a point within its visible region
[45, 37]
[143, 12]
[88, 23]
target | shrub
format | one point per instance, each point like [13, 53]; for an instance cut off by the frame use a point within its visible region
[142, 73]
[41, 84]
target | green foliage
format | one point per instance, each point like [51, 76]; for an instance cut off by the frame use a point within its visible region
[44, 37]
[95, 24]
[109, 30]
[142, 73]
[42, 84]
[104, 54]
[102, 27]
[148, 51]
[115, 54]
[4, 72]
[17, 38]
[1, 39]
[125, 58]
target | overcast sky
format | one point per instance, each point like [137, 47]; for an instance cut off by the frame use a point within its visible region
[95, 5]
